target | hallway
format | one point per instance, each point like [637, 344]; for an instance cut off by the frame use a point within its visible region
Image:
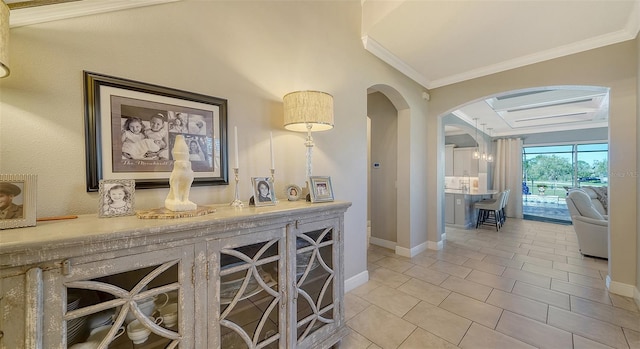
[526, 286]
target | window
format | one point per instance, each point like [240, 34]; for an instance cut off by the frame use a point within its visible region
[550, 171]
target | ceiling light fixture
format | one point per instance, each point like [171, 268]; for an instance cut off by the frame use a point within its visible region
[476, 153]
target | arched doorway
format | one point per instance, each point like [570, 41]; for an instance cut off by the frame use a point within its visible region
[552, 114]
[387, 170]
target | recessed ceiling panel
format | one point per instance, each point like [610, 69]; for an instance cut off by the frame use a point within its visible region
[531, 111]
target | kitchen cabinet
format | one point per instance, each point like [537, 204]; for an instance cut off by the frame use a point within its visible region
[463, 163]
[459, 210]
[449, 208]
[448, 159]
[267, 277]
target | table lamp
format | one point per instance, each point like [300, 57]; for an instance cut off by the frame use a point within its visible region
[308, 111]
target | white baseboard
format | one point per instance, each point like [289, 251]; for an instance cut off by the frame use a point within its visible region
[406, 252]
[433, 245]
[383, 243]
[403, 251]
[636, 296]
[355, 281]
[622, 289]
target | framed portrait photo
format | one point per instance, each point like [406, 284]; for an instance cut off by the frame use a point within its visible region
[117, 197]
[17, 201]
[131, 128]
[293, 192]
[320, 189]
[263, 191]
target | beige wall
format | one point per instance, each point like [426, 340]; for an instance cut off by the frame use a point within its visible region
[384, 150]
[249, 52]
[613, 66]
[637, 296]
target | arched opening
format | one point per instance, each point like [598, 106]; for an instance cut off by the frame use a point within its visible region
[553, 117]
[387, 112]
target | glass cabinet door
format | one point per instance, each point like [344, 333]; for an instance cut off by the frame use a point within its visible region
[250, 298]
[317, 308]
[137, 301]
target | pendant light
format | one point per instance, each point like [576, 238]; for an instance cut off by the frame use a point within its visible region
[490, 155]
[483, 156]
[476, 153]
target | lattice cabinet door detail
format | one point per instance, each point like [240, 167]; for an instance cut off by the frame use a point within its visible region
[317, 308]
[250, 299]
[140, 301]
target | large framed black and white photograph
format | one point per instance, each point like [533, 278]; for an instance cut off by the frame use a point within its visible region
[117, 198]
[320, 189]
[131, 128]
[17, 200]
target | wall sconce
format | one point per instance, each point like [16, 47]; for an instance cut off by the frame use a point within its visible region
[4, 40]
[308, 111]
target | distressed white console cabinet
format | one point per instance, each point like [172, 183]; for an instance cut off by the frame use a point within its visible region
[267, 277]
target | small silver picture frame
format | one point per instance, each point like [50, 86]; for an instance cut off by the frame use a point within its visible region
[293, 192]
[320, 189]
[17, 200]
[117, 198]
[263, 191]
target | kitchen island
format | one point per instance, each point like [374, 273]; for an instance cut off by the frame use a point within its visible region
[459, 211]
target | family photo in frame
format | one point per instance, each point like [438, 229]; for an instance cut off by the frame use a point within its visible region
[117, 197]
[17, 201]
[131, 128]
[321, 189]
[293, 192]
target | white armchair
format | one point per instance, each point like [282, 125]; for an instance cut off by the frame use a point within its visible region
[591, 227]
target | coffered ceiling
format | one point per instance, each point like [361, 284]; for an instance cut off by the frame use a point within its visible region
[539, 110]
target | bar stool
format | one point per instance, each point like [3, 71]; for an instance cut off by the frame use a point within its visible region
[490, 212]
[505, 201]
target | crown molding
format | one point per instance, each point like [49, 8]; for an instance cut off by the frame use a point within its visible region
[576, 47]
[41, 14]
[386, 56]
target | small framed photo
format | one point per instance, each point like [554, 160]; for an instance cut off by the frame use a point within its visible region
[263, 193]
[117, 197]
[17, 201]
[293, 192]
[321, 189]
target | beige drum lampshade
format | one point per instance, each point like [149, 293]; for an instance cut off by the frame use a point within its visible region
[4, 40]
[302, 108]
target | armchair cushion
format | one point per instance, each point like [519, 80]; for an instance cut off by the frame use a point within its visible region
[584, 205]
[599, 197]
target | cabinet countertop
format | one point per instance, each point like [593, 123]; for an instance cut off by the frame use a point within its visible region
[130, 231]
[471, 192]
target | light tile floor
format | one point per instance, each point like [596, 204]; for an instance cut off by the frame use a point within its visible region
[526, 286]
